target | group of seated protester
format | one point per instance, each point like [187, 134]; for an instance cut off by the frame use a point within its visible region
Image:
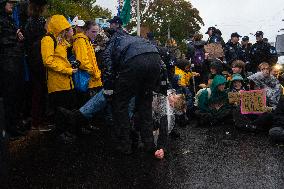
[213, 107]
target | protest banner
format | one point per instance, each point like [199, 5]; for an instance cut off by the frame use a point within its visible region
[253, 102]
[214, 50]
[234, 97]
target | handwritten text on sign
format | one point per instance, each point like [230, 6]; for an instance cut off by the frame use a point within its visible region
[253, 102]
[214, 50]
[234, 97]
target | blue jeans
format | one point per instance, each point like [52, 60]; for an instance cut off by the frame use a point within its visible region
[97, 104]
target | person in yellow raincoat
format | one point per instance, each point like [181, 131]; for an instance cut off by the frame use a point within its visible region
[181, 83]
[85, 54]
[59, 70]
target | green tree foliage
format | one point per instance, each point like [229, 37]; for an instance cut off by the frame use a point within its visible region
[178, 15]
[85, 8]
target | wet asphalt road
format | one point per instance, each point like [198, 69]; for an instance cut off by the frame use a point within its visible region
[203, 158]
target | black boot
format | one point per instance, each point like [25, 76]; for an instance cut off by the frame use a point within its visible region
[124, 146]
[73, 120]
[277, 134]
[181, 120]
[16, 130]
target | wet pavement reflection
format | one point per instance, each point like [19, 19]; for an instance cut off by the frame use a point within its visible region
[220, 157]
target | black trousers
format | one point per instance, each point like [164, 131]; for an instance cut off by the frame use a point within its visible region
[137, 78]
[262, 122]
[11, 89]
[65, 99]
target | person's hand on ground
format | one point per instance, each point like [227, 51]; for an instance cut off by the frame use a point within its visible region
[160, 154]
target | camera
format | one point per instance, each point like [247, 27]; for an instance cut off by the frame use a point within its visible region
[75, 64]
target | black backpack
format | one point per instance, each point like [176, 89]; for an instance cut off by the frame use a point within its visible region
[35, 60]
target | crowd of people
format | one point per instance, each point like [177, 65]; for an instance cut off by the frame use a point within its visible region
[56, 75]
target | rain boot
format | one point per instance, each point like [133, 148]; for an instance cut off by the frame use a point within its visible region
[277, 134]
[74, 120]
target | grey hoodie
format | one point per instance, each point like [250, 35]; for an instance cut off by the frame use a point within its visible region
[271, 85]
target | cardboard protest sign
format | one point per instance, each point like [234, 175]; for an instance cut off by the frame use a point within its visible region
[234, 97]
[253, 102]
[215, 50]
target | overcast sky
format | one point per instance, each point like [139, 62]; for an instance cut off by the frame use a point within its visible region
[242, 16]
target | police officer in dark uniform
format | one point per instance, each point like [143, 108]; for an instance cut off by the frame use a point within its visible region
[261, 52]
[132, 69]
[233, 49]
[246, 48]
[273, 52]
[214, 36]
[218, 33]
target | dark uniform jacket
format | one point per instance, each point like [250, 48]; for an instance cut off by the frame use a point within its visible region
[246, 52]
[261, 52]
[122, 48]
[233, 52]
[215, 38]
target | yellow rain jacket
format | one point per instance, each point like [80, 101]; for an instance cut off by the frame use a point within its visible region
[85, 53]
[184, 77]
[59, 71]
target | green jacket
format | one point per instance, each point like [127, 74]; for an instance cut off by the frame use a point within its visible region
[207, 99]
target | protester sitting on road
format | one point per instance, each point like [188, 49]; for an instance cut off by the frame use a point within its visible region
[212, 103]
[276, 70]
[263, 80]
[238, 67]
[216, 68]
[260, 81]
[277, 131]
[164, 110]
[237, 83]
[181, 84]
